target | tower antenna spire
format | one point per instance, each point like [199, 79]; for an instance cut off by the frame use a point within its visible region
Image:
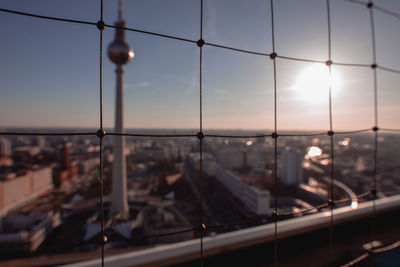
[120, 10]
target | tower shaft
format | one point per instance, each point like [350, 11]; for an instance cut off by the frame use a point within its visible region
[119, 201]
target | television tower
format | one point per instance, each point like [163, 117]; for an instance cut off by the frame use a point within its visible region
[120, 53]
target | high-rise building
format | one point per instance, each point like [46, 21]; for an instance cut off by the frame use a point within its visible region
[292, 173]
[5, 147]
[41, 141]
[65, 157]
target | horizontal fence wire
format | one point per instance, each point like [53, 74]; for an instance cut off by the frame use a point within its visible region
[47, 134]
[381, 9]
[390, 130]
[325, 205]
[95, 24]
[344, 200]
[302, 134]
[301, 59]
[387, 12]
[238, 50]
[142, 236]
[153, 135]
[236, 136]
[48, 17]
[389, 69]
[152, 33]
[354, 131]
[302, 211]
[269, 135]
[172, 233]
[351, 64]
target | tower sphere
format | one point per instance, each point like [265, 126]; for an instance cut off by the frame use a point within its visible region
[120, 52]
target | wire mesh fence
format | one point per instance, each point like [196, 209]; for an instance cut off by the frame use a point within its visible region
[275, 135]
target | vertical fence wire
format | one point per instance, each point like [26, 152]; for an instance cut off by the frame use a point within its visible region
[202, 225]
[101, 192]
[375, 81]
[102, 240]
[330, 132]
[200, 44]
[275, 136]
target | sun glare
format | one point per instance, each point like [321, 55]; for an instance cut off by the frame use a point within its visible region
[313, 84]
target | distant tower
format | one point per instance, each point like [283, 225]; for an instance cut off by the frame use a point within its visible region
[65, 157]
[41, 142]
[120, 53]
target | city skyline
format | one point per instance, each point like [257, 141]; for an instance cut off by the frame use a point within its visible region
[162, 84]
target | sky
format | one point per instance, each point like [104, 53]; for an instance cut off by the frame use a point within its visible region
[50, 69]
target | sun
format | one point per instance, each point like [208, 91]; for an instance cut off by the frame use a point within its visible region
[312, 85]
